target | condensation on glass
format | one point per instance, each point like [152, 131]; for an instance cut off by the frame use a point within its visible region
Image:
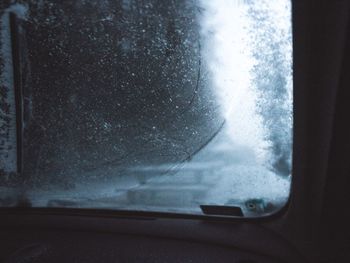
[146, 105]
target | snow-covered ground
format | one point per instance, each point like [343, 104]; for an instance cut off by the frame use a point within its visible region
[221, 174]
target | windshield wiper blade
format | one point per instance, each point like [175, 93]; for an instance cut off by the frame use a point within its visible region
[17, 78]
[222, 210]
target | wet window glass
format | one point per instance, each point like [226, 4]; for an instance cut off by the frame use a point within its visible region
[180, 106]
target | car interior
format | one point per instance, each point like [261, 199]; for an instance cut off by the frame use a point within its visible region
[311, 226]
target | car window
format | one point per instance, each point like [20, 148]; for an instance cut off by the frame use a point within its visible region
[146, 105]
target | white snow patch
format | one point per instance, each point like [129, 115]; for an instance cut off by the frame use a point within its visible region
[228, 51]
[225, 30]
